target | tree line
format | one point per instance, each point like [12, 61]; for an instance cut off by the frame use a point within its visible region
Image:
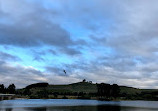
[7, 90]
[107, 91]
[104, 91]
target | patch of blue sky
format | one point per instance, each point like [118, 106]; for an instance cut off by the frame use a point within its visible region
[59, 59]
[96, 52]
[75, 31]
[80, 32]
[24, 55]
[49, 4]
[104, 50]
[51, 59]
[139, 60]
[4, 20]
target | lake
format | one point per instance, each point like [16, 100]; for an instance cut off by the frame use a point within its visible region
[76, 105]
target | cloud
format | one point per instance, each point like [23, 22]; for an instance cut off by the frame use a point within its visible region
[8, 57]
[106, 41]
[56, 70]
[135, 33]
[22, 76]
[37, 32]
[123, 71]
[35, 27]
[19, 74]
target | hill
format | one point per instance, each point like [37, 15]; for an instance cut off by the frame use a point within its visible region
[85, 89]
[75, 87]
[90, 88]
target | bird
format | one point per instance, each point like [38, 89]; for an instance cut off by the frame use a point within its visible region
[64, 71]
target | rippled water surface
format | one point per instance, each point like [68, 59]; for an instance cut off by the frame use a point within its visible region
[76, 105]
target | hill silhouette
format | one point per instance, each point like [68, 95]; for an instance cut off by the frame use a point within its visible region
[83, 90]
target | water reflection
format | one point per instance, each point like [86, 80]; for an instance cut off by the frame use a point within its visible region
[87, 108]
[108, 108]
[77, 108]
[36, 109]
[77, 105]
[8, 109]
[80, 108]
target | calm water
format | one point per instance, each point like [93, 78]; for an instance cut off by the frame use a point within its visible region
[76, 105]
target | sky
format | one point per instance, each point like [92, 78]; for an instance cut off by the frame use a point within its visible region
[110, 41]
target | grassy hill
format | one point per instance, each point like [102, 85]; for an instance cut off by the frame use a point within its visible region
[88, 89]
[76, 87]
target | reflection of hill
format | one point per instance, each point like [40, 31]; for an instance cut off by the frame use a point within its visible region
[85, 108]
[36, 109]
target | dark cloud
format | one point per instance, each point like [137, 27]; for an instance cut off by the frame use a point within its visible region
[70, 51]
[38, 55]
[38, 58]
[34, 28]
[34, 32]
[8, 57]
[67, 51]
[52, 51]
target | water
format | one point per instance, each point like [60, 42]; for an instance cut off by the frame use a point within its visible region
[76, 105]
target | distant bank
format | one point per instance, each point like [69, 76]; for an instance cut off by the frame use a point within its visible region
[86, 90]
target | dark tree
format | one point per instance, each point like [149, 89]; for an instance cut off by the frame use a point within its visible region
[107, 91]
[115, 90]
[11, 89]
[55, 94]
[103, 90]
[42, 94]
[27, 92]
[84, 80]
[2, 88]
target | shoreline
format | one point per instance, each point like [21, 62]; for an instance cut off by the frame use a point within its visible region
[82, 99]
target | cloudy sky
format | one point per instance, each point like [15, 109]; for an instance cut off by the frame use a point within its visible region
[112, 41]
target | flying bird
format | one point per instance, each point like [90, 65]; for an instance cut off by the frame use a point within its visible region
[64, 71]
